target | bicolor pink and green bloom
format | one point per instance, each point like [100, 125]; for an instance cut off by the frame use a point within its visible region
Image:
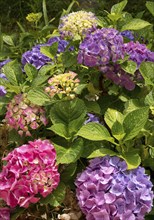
[63, 84]
[24, 116]
[30, 172]
[107, 190]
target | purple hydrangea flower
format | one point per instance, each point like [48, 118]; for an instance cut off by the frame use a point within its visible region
[101, 47]
[4, 213]
[138, 52]
[2, 75]
[92, 118]
[4, 62]
[118, 76]
[127, 34]
[36, 58]
[107, 190]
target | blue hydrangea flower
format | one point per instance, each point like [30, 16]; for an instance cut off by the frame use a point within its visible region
[101, 47]
[127, 34]
[92, 118]
[36, 58]
[107, 190]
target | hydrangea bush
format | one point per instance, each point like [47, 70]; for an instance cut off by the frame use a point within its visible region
[77, 112]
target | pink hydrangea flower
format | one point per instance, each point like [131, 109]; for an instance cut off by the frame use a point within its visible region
[4, 213]
[23, 116]
[31, 171]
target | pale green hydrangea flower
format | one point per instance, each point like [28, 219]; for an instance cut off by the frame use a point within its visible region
[76, 24]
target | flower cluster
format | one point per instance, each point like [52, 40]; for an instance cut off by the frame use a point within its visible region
[107, 190]
[22, 115]
[2, 75]
[138, 52]
[118, 76]
[36, 58]
[63, 84]
[101, 47]
[128, 34]
[34, 17]
[76, 24]
[92, 118]
[30, 172]
[4, 213]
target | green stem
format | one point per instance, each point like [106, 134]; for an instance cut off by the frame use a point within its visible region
[45, 12]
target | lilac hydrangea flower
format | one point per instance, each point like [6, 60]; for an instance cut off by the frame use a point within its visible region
[138, 52]
[128, 34]
[36, 58]
[107, 190]
[92, 118]
[101, 47]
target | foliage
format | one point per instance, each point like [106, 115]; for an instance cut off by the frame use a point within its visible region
[90, 96]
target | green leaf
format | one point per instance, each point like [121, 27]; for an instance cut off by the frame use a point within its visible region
[147, 71]
[149, 99]
[129, 66]
[135, 24]
[70, 154]
[50, 51]
[69, 59]
[111, 116]
[102, 152]
[8, 40]
[132, 159]
[56, 197]
[31, 71]
[118, 8]
[95, 132]
[134, 122]
[118, 130]
[13, 72]
[67, 174]
[38, 97]
[114, 17]
[67, 111]
[61, 130]
[39, 80]
[90, 147]
[93, 107]
[46, 69]
[150, 7]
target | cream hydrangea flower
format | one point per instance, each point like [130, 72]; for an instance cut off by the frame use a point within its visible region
[76, 24]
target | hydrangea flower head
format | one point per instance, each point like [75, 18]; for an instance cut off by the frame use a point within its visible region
[138, 52]
[38, 59]
[107, 190]
[76, 24]
[65, 84]
[92, 118]
[101, 47]
[128, 34]
[4, 213]
[2, 75]
[24, 116]
[31, 171]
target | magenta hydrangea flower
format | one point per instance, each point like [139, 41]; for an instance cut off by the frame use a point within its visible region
[4, 213]
[24, 116]
[107, 190]
[31, 172]
[101, 47]
[138, 52]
